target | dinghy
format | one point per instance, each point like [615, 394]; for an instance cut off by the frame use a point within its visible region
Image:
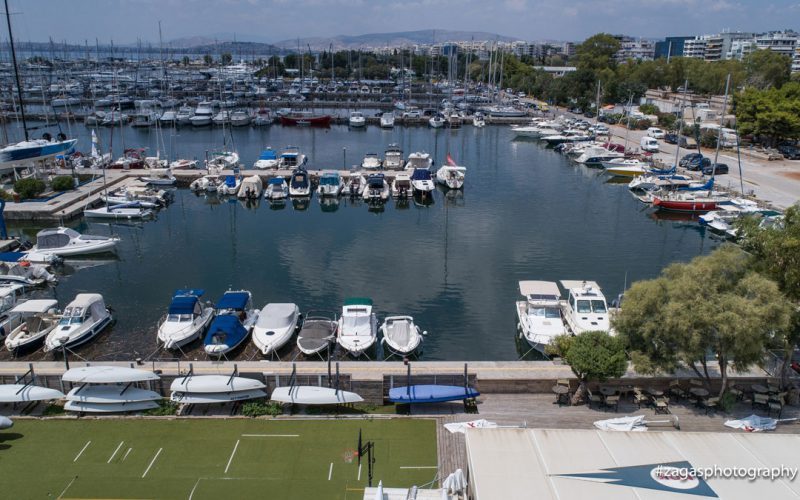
[107, 375]
[401, 335]
[318, 332]
[81, 407]
[112, 394]
[195, 398]
[431, 394]
[313, 395]
[19, 393]
[275, 326]
[214, 384]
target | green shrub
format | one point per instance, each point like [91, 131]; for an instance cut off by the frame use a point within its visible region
[165, 408]
[260, 408]
[52, 410]
[5, 195]
[29, 188]
[649, 109]
[62, 183]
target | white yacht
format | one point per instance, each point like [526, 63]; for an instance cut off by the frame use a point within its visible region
[422, 181]
[419, 160]
[223, 117]
[377, 188]
[186, 319]
[358, 327]
[393, 158]
[401, 186]
[539, 315]
[267, 159]
[184, 115]
[34, 320]
[223, 160]
[277, 189]
[357, 119]
[202, 115]
[168, 118]
[291, 158]
[251, 188]
[401, 335]
[451, 176]
[300, 184]
[330, 184]
[84, 318]
[132, 210]
[371, 162]
[240, 118]
[65, 242]
[436, 121]
[275, 326]
[387, 120]
[596, 155]
[585, 308]
[356, 183]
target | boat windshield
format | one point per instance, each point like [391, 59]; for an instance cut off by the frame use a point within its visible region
[591, 306]
[329, 180]
[584, 306]
[545, 312]
[179, 318]
[598, 306]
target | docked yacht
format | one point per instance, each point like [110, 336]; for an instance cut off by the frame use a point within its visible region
[251, 188]
[300, 184]
[291, 158]
[184, 115]
[203, 115]
[539, 315]
[223, 117]
[371, 162]
[401, 335]
[451, 175]
[240, 118]
[330, 184]
[422, 181]
[223, 160]
[358, 327]
[355, 186]
[387, 120]
[401, 186]
[357, 119]
[377, 188]
[267, 159]
[207, 184]
[34, 320]
[317, 333]
[626, 167]
[235, 318]
[419, 160]
[82, 320]
[168, 118]
[66, 242]
[277, 189]
[230, 185]
[436, 121]
[478, 120]
[186, 319]
[585, 308]
[132, 210]
[159, 177]
[393, 158]
[275, 326]
[595, 155]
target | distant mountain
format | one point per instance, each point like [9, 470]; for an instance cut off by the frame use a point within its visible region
[391, 39]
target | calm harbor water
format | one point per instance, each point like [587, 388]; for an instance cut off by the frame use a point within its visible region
[525, 213]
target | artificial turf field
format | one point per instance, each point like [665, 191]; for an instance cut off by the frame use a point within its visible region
[195, 459]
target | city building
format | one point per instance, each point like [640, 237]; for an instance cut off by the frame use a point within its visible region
[671, 46]
[632, 48]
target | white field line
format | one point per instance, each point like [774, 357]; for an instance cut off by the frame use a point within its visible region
[191, 493]
[270, 435]
[330, 471]
[236, 446]
[359, 473]
[115, 452]
[126, 454]
[65, 489]
[152, 462]
[82, 450]
[421, 467]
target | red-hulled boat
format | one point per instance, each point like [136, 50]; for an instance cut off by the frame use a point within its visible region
[688, 202]
[306, 119]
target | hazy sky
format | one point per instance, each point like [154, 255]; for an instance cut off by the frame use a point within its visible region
[272, 20]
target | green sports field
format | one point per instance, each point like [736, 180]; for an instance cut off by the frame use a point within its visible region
[210, 459]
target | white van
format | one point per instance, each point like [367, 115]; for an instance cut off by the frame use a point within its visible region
[649, 144]
[655, 133]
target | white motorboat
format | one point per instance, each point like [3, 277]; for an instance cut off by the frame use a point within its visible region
[330, 184]
[267, 159]
[436, 121]
[539, 315]
[240, 118]
[596, 155]
[131, 210]
[419, 160]
[230, 185]
[168, 118]
[232, 325]
[656, 182]
[451, 175]
[186, 319]
[317, 333]
[203, 115]
[422, 181]
[207, 183]
[371, 161]
[35, 320]
[223, 160]
[275, 326]
[358, 327]
[478, 121]
[300, 184]
[401, 335]
[251, 188]
[65, 242]
[291, 158]
[183, 163]
[8, 300]
[355, 185]
[357, 119]
[626, 167]
[585, 308]
[401, 186]
[184, 115]
[222, 117]
[144, 118]
[159, 177]
[82, 320]
[377, 188]
[387, 120]
[277, 189]
[393, 158]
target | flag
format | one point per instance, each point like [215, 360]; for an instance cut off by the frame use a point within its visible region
[450, 160]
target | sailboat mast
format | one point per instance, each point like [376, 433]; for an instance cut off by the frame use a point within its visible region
[680, 123]
[16, 71]
[721, 122]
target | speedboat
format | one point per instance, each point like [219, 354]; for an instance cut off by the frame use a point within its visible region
[159, 177]
[436, 121]
[251, 188]
[419, 160]
[596, 155]
[275, 326]
[401, 186]
[82, 320]
[422, 182]
[377, 188]
[300, 185]
[277, 189]
[186, 319]
[291, 158]
[357, 119]
[355, 186]
[451, 175]
[358, 327]
[267, 159]
[317, 333]
[34, 319]
[235, 318]
[478, 121]
[585, 308]
[222, 160]
[184, 115]
[371, 162]
[132, 210]
[230, 185]
[240, 118]
[168, 118]
[222, 117]
[65, 242]
[207, 183]
[203, 115]
[393, 158]
[387, 120]
[9, 293]
[539, 315]
[401, 335]
[626, 167]
[330, 184]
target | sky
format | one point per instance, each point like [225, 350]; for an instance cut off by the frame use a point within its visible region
[126, 21]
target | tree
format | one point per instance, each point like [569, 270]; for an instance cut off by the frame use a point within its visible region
[207, 59]
[772, 114]
[29, 187]
[592, 356]
[185, 60]
[226, 58]
[716, 306]
[765, 68]
[596, 52]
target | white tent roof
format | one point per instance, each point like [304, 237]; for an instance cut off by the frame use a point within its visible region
[35, 306]
[549, 288]
[86, 299]
[558, 464]
[572, 284]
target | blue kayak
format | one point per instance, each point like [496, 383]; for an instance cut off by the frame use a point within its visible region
[431, 393]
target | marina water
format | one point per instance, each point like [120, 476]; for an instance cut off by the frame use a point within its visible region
[526, 212]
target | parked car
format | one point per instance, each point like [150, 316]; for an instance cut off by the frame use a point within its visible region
[411, 114]
[716, 169]
[681, 140]
[655, 133]
[789, 151]
[699, 164]
[688, 158]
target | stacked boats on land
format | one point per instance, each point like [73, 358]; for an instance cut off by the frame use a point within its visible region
[109, 389]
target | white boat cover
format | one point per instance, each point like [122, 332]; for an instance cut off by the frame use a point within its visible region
[547, 289]
[35, 306]
[753, 423]
[455, 482]
[276, 316]
[461, 427]
[634, 423]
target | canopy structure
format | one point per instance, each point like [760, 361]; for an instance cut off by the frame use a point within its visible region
[421, 174]
[539, 290]
[35, 306]
[276, 315]
[267, 154]
[233, 300]
[230, 181]
[276, 181]
[182, 304]
[358, 301]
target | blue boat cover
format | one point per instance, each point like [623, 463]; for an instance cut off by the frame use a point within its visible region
[299, 178]
[11, 256]
[182, 304]
[230, 181]
[276, 181]
[708, 185]
[225, 329]
[329, 179]
[375, 181]
[663, 171]
[233, 300]
[431, 393]
[421, 174]
[267, 155]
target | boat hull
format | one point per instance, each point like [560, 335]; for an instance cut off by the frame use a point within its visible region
[685, 206]
[307, 121]
[313, 395]
[194, 398]
[431, 394]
